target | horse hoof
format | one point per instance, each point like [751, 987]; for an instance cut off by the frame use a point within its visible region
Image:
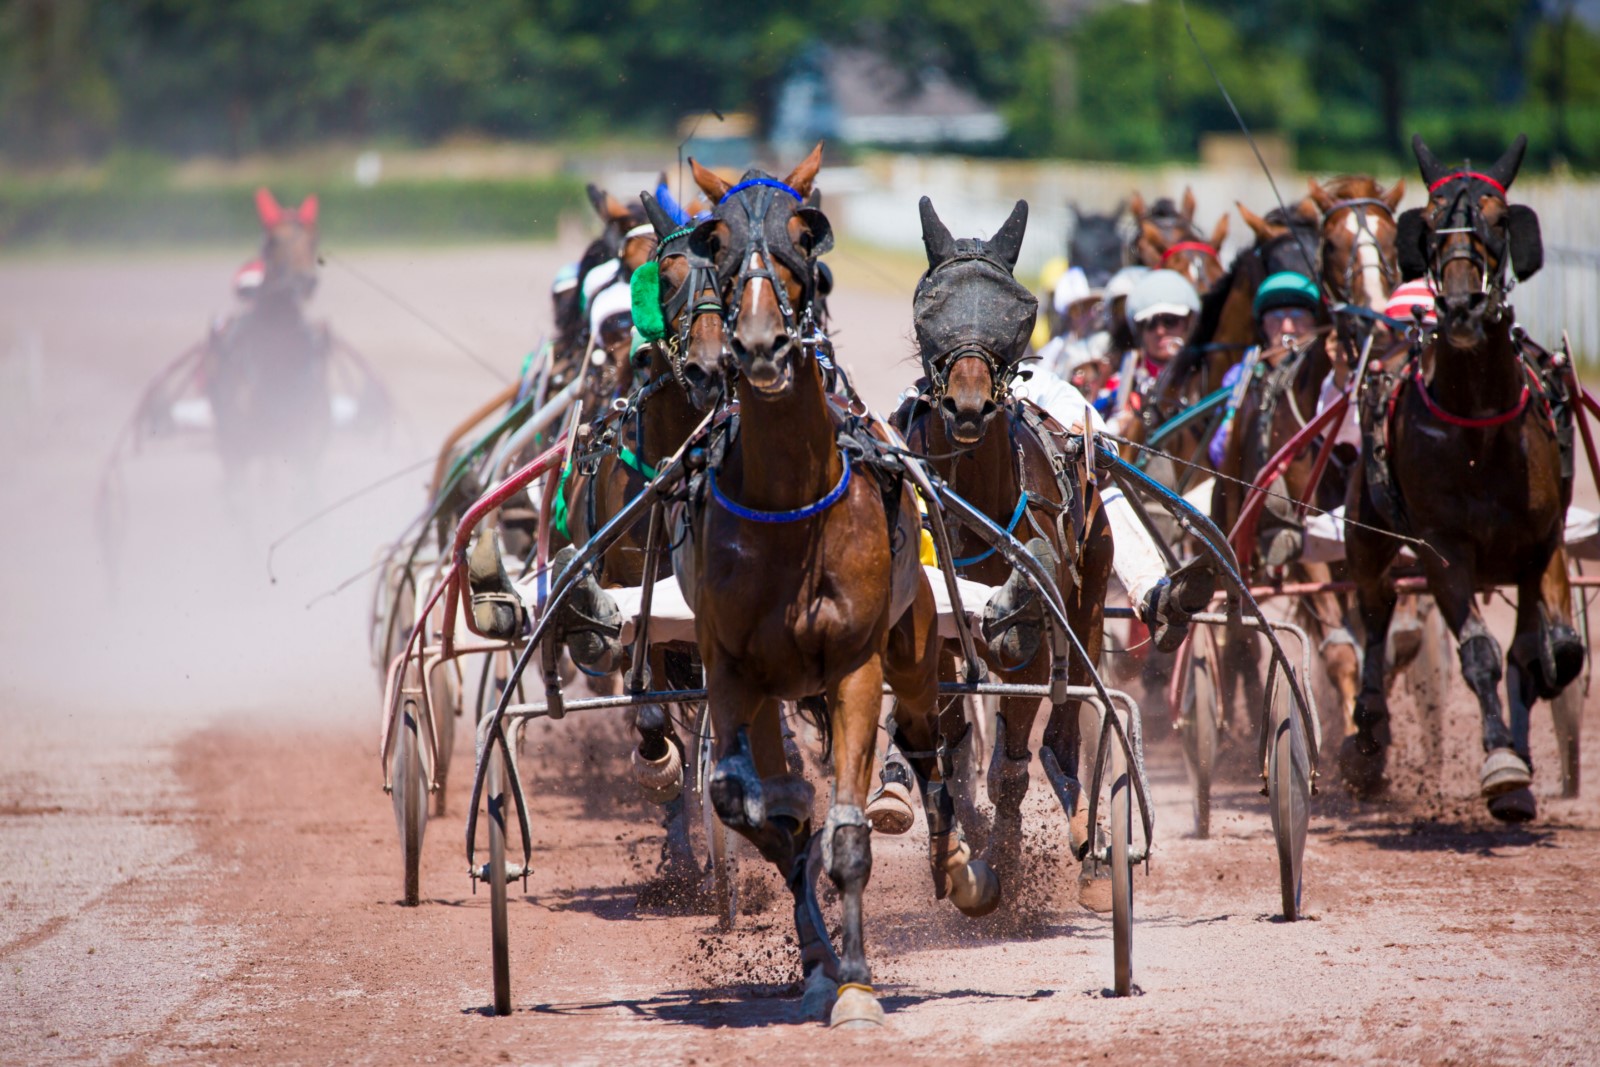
[1405, 641]
[1503, 772]
[1361, 769]
[978, 893]
[856, 1009]
[1515, 806]
[889, 809]
[661, 779]
[1094, 894]
[819, 995]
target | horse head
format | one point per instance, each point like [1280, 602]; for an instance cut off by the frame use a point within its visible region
[686, 330]
[764, 242]
[1096, 243]
[1465, 240]
[1168, 238]
[1356, 222]
[972, 319]
[288, 247]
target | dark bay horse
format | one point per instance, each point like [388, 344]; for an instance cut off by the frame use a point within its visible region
[972, 324]
[1168, 237]
[1461, 451]
[266, 370]
[802, 567]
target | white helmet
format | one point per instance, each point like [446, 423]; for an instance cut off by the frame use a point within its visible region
[1162, 292]
[1122, 282]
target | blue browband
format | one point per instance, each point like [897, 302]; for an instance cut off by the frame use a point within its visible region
[1016, 517]
[834, 496]
[772, 182]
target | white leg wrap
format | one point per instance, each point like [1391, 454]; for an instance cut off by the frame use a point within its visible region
[1136, 559]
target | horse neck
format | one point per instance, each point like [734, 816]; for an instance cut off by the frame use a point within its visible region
[1479, 381]
[788, 450]
[668, 417]
[985, 475]
[277, 305]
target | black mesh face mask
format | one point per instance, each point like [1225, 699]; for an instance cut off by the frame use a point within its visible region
[970, 305]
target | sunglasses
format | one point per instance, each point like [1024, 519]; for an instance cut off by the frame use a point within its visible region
[1169, 323]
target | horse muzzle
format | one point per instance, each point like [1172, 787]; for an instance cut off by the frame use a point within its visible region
[966, 424]
[1462, 318]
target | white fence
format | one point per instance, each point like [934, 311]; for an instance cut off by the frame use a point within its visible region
[877, 203]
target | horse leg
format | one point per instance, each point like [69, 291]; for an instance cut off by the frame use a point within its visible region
[754, 793]
[1008, 780]
[854, 701]
[1363, 753]
[1505, 777]
[658, 763]
[1341, 659]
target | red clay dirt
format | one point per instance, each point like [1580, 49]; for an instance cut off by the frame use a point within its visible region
[197, 863]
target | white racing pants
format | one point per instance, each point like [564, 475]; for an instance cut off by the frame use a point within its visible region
[1137, 560]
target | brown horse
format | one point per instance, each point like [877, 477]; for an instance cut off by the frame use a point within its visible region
[1168, 237]
[1356, 264]
[802, 567]
[1461, 451]
[266, 370]
[973, 321]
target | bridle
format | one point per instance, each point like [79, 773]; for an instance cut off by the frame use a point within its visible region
[1195, 253]
[678, 307]
[757, 201]
[1464, 216]
[1388, 267]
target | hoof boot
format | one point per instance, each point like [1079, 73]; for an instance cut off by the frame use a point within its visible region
[889, 809]
[1503, 772]
[857, 1008]
[661, 779]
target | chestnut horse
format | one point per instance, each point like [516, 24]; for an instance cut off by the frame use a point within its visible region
[1168, 238]
[266, 370]
[1461, 451]
[1001, 455]
[801, 563]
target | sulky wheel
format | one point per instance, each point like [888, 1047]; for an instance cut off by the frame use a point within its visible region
[722, 880]
[1198, 724]
[496, 795]
[1288, 786]
[1121, 870]
[408, 784]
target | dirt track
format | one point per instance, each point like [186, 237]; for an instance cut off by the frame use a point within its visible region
[197, 863]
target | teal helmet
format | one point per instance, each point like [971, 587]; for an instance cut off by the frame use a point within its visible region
[1287, 288]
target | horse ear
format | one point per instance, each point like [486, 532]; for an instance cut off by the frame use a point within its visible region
[936, 239]
[1007, 241]
[801, 177]
[713, 186]
[706, 240]
[1136, 205]
[1527, 246]
[1432, 169]
[1396, 193]
[657, 215]
[818, 236]
[1188, 203]
[1411, 233]
[597, 198]
[1505, 168]
[1307, 211]
[1324, 199]
[1259, 226]
[267, 209]
[1220, 233]
[1150, 233]
[308, 212]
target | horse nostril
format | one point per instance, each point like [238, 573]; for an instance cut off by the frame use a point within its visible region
[989, 408]
[949, 405]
